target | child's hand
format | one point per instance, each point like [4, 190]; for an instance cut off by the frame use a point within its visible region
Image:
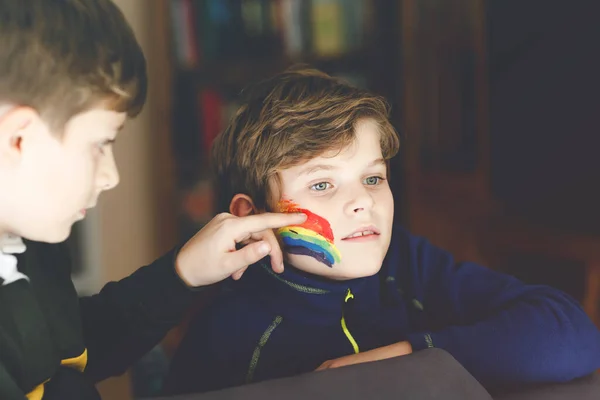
[381, 353]
[211, 255]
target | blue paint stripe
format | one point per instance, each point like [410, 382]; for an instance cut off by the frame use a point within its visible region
[311, 246]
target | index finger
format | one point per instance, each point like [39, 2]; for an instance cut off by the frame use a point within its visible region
[260, 222]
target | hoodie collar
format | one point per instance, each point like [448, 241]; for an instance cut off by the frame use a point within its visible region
[295, 294]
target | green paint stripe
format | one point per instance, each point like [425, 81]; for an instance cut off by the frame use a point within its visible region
[316, 240]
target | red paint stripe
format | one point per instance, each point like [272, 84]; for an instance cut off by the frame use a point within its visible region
[313, 221]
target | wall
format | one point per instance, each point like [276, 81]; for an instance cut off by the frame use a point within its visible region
[130, 230]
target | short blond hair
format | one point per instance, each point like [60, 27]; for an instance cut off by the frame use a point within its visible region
[63, 57]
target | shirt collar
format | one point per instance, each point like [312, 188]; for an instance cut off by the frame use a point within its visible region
[10, 245]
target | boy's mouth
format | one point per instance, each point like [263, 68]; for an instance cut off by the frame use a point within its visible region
[365, 232]
[83, 211]
[81, 214]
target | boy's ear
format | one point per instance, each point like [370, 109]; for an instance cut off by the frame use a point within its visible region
[15, 124]
[242, 205]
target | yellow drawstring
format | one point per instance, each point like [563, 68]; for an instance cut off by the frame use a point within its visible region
[349, 296]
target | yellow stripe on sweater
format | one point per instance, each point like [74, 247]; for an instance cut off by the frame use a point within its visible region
[37, 393]
[349, 296]
[79, 363]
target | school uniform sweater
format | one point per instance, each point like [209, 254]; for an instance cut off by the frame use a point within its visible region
[502, 331]
[55, 345]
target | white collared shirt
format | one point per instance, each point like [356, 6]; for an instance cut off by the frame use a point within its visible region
[9, 245]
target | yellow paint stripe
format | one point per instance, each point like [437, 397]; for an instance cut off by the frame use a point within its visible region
[302, 231]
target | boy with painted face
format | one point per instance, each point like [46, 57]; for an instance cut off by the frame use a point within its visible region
[355, 288]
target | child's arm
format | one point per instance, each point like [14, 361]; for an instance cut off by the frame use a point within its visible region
[127, 318]
[381, 353]
[500, 329]
[8, 387]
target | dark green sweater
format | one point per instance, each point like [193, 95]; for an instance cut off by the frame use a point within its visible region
[47, 333]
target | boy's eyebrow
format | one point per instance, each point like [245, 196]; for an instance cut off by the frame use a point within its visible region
[376, 162]
[120, 127]
[314, 168]
[327, 167]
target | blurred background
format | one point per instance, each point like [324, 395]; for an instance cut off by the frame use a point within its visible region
[497, 103]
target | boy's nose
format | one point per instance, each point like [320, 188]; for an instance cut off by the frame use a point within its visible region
[108, 175]
[361, 200]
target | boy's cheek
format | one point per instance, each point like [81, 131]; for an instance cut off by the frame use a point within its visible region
[313, 238]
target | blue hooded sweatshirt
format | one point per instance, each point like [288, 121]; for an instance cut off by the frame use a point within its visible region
[502, 331]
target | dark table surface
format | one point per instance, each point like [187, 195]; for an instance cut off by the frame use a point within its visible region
[587, 388]
[426, 375]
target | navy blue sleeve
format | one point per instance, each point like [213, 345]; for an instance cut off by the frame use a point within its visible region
[217, 350]
[500, 329]
[194, 367]
[127, 318]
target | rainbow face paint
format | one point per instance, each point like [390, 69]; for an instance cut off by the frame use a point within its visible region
[312, 238]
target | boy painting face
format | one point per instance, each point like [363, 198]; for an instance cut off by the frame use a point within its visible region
[347, 190]
[62, 102]
[66, 172]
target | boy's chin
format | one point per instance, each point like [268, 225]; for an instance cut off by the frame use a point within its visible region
[337, 272]
[345, 273]
[54, 235]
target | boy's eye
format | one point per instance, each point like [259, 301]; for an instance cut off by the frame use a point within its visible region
[104, 144]
[373, 180]
[319, 187]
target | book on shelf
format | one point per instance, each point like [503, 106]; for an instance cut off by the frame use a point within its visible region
[211, 30]
[200, 115]
[210, 111]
